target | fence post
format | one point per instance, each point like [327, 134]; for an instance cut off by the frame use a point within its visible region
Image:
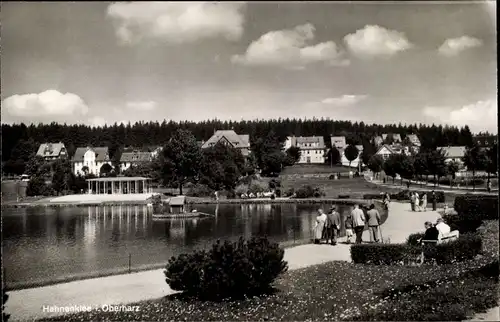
[129, 263]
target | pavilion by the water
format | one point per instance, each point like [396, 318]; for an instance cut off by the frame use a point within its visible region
[119, 185]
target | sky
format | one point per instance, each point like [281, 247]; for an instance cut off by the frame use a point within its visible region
[378, 62]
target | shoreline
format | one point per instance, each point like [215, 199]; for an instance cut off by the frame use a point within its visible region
[117, 271]
[192, 201]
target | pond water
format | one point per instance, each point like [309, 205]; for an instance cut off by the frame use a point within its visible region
[41, 245]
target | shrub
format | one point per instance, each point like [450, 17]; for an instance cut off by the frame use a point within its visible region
[344, 196]
[274, 184]
[466, 247]
[308, 191]
[414, 239]
[241, 189]
[463, 224]
[228, 270]
[258, 186]
[199, 190]
[476, 206]
[373, 196]
[385, 254]
[289, 192]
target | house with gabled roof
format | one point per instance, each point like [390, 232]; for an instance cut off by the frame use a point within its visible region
[356, 162]
[377, 141]
[453, 153]
[128, 159]
[312, 148]
[240, 142]
[339, 142]
[396, 138]
[52, 151]
[386, 150]
[90, 160]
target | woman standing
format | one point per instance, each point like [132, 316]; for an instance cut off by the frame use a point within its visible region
[424, 202]
[319, 226]
[417, 202]
[386, 200]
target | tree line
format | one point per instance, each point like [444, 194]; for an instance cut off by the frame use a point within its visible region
[20, 140]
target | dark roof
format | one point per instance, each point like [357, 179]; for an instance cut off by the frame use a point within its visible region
[116, 179]
[101, 153]
[136, 157]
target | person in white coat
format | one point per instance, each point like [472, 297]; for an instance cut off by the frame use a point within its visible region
[319, 226]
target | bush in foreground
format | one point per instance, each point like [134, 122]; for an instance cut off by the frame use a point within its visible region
[228, 270]
[385, 254]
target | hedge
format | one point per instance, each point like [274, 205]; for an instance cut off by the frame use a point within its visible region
[308, 191]
[414, 239]
[385, 254]
[228, 270]
[464, 248]
[476, 206]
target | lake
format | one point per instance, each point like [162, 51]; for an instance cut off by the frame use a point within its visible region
[49, 244]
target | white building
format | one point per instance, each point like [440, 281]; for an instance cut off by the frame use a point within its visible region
[52, 151]
[91, 159]
[339, 142]
[127, 159]
[396, 138]
[385, 151]
[240, 142]
[312, 148]
[356, 162]
[453, 153]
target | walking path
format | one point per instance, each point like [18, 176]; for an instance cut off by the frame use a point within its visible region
[28, 304]
[416, 186]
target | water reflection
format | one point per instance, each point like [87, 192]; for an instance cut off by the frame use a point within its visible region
[52, 243]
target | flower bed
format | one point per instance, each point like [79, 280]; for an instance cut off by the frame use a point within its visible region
[332, 291]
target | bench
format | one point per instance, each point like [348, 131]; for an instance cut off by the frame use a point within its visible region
[446, 238]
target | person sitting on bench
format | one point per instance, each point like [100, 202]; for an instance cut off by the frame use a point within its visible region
[443, 228]
[431, 233]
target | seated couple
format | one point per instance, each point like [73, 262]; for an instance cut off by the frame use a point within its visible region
[439, 232]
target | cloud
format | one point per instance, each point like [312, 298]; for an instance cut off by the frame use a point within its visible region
[373, 40]
[454, 46]
[344, 100]
[176, 22]
[479, 116]
[97, 121]
[142, 105]
[50, 105]
[289, 49]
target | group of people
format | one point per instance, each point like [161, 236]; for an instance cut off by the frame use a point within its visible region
[327, 226]
[435, 232]
[418, 203]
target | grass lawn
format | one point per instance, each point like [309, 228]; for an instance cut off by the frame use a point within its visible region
[345, 291]
[355, 187]
[315, 169]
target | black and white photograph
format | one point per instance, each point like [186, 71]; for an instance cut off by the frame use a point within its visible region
[249, 161]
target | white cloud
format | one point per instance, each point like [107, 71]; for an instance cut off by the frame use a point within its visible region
[374, 40]
[50, 105]
[454, 46]
[344, 100]
[97, 121]
[176, 22]
[142, 105]
[289, 49]
[479, 116]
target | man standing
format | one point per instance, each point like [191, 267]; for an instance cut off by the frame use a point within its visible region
[373, 223]
[333, 225]
[358, 218]
[412, 201]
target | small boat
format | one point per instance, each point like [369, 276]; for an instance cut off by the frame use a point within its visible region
[176, 208]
